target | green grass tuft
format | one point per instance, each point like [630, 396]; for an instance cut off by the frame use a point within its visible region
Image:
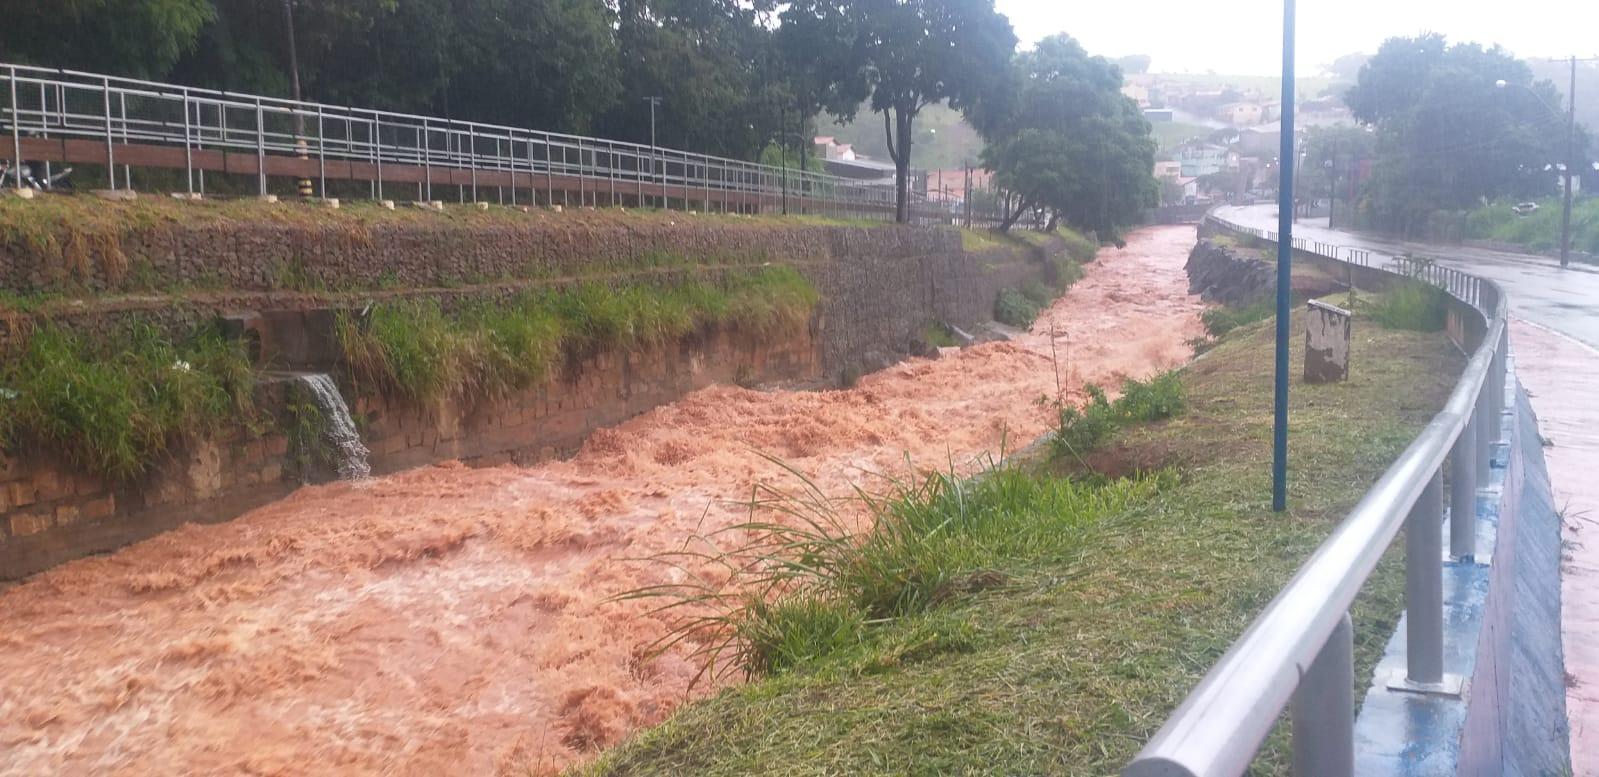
[413, 350]
[116, 408]
[1081, 430]
[1013, 308]
[1411, 305]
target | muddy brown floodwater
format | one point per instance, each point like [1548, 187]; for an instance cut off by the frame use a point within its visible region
[454, 620]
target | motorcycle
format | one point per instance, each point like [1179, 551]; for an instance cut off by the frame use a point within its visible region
[24, 175]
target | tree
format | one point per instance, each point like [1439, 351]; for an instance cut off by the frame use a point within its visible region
[139, 38]
[1069, 142]
[1134, 63]
[907, 55]
[1447, 136]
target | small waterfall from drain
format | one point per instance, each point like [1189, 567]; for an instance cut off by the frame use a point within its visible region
[339, 430]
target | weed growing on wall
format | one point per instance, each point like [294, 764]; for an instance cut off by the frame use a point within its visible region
[115, 408]
[412, 350]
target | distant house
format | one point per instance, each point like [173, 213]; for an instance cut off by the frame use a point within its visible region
[1242, 114]
[1137, 93]
[829, 148]
[1199, 159]
[1168, 168]
[1158, 114]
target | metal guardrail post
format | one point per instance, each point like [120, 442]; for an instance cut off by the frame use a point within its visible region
[1324, 709]
[1424, 588]
[471, 158]
[1463, 492]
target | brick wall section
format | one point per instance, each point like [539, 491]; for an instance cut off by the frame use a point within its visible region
[880, 287]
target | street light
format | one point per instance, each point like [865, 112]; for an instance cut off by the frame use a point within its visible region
[1571, 151]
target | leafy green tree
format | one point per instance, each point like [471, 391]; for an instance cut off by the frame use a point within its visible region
[906, 55]
[139, 38]
[1068, 142]
[1447, 136]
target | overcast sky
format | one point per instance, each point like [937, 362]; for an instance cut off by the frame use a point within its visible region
[1244, 36]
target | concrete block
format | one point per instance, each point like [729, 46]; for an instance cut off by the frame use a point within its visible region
[331, 202]
[482, 206]
[21, 194]
[269, 198]
[386, 204]
[119, 195]
[1327, 334]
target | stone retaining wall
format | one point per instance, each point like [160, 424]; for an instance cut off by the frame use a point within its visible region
[880, 286]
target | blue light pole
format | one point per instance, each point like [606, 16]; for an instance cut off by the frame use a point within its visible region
[1285, 255]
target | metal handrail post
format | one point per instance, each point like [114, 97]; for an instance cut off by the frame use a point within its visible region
[377, 154]
[1463, 493]
[427, 162]
[188, 149]
[260, 148]
[1324, 709]
[127, 170]
[110, 155]
[16, 132]
[1424, 587]
[321, 154]
[471, 157]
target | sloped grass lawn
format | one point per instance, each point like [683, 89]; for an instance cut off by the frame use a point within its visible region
[1072, 659]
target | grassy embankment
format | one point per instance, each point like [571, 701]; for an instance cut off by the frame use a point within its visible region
[1045, 618]
[117, 405]
[1539, 231]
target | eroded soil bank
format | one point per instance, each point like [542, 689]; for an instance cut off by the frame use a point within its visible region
[454, 620]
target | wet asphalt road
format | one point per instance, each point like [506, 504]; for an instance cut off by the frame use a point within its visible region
[1566, 301]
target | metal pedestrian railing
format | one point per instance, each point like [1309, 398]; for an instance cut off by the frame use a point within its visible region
[1299, 652]
[57, 115]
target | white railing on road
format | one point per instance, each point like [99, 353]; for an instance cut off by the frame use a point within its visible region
[1300, 650]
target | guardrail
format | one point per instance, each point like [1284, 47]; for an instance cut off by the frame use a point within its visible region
[89, 118]
[1300, 649]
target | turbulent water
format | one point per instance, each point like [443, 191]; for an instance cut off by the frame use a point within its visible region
[449, 620]
[339, 430]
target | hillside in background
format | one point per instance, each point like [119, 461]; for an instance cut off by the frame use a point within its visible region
[943, 139]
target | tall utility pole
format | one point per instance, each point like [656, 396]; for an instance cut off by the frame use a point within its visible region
[304, 184]
[1285, 254]
[1571, 161]
[655, 101]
